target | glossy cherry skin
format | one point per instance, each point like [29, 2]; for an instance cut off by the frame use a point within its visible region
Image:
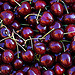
[42, 29]
[71, 71]
[6, 6]
[59, 70]
[55, 25]
[40, 5]
[69, 18]
[46, 19]
[57, 34]
[14, 3]
[26, 32]
[10, 44]
[48, 72]
[24, 9]
[19, 72]
[57, 9]
[7, 56]
[16, 25]
[70, 28]
[28, 56]
[55, 46]
[52, 2]
[4, 32]
[47, 60]
[39, 48]
[5, 69]
[33, 71]
[65, 59]
[34, 1]
[25, 69]
[7, 17]
[18, 63]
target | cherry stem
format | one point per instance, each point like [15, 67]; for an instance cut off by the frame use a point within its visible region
[57, 0]
[17, 3]
[2, 48]
[48, 33]
[35, 30]
[17, 51]
[38, 16]
[65, 41]
[1, 21]
[25, 24]
[74, 38]
[68, 32]
[65, 7]
[45, 68]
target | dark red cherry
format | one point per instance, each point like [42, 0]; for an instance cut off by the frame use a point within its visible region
[59, 70]
[33, 71]
[57, 34]
[48, 72]
[16, 25]
[10, 44]
[70, 28]
[6, 6]
[24, 9]
[28, 56]
[18, 63]
[71, 71]
[42, 29]
[40, 5]
[34, 1]
[55, 25]
[4, 32]
[55, 46]
[57, 9]
[52, 2]
[13, 2]
[7, 17]
[19, 72]
[73, 7]
[5, 69]
[40, 48]
[65, 59]
[25, 69]
[7, 56]
[46, 19]
[26, 32]
[69, 18]
[47, 60]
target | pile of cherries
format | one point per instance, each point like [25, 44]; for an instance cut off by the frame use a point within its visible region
[37, 37]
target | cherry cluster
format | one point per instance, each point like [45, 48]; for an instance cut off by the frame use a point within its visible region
[37, 37]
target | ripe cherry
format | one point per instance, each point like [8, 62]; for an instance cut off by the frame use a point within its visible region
[40, 48]
[55, 46]
[26, 32]
[7, 56]
[19, 72]
[47, 60]
[46, 19]
[10, 44]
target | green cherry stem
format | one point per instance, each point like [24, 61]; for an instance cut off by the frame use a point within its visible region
[2, 48]
[17, 3]
[69, 32]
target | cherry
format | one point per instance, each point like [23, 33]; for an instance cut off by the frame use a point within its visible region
[48, 72]
[24, 9]
[18, 63]
[69, 18]
[4, 32]
[6, 6]
[40, 48]
[5, 69]
[57, 34]
[28, 56]
[13, 2]
[55, 25]
[41, 28]
[65, 59]
[47, 60]
[7, 17]
[46, 19]
[26, 32]
[70, 28]
[52, 2]
[40, 5]
[7, 56]
[57, 9]
[33, 71]
[19, 72]
[55, 46]
[34, 1]
[71, 71]
[16, 25]
[10, 44]
[59, 70]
